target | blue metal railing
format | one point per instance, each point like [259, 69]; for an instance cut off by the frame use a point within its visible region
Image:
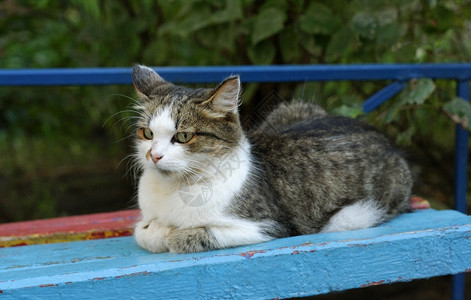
[398, 73]
[285, 73]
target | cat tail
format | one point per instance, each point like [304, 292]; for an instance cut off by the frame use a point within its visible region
[390, 197]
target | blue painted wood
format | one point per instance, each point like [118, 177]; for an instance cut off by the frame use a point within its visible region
[280, 73]
[382, 96]
[416, 245]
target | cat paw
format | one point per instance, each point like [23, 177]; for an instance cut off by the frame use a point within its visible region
[190, 240]
[152, 236]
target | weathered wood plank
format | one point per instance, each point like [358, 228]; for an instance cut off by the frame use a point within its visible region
[416, 245]
[89, 227]
[66, 229]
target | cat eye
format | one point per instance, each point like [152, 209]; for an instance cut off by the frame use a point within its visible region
[183, 137]
[147, 133]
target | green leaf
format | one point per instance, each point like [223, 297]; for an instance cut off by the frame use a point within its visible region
[233, 11]
[189, 20]
[262, 54]
[405, 138]
[386, 15]
[319, 19]
[417, 91]
[288, 41]
[364, 23]
[196, 21]
[392, 112]
[279, 4]
[339, 43]
[459, 111]
[390, 33]
[268, 23]
[309, 44]
[441, 20]
[91, 7]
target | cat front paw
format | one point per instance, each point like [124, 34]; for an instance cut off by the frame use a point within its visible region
[152, 236]
[190, 240]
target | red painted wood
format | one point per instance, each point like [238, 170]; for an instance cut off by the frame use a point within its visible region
[88, 227]
[93, 226]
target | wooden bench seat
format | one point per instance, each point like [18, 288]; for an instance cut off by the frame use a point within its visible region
[416, 245]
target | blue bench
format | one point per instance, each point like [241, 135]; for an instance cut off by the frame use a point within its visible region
[417, 245]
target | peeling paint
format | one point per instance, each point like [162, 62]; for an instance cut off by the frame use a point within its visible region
[103, 257]
[133, 274]
[128, 267]
[250, 254]
[177, 260]
[302, 251]
[98, 278]
[47, 285]
[373, 283]
[17, 267]
[357, 245]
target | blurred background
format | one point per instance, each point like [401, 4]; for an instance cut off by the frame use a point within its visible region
[63, 149]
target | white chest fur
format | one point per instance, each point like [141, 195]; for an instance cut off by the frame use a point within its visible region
[176, 203]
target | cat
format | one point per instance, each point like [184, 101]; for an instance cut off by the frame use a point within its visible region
[206, 184]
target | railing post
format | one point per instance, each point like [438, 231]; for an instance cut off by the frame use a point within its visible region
[461, 161]
[461, 154]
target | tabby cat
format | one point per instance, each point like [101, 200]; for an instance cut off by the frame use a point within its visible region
[206, 184]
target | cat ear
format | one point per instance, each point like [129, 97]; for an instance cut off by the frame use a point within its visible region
[226, 96]
[145, 79]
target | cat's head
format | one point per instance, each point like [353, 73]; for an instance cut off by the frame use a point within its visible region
[180, 131]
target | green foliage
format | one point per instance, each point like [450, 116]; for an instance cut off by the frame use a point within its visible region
[416, 92]
[319, 19]
[267, 23]
[43, 129]
[459, 111]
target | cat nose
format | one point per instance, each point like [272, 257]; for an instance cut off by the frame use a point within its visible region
[156, 158]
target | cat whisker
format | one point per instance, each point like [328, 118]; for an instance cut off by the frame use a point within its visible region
[120, 119]
[198, 180]
[133, 166]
